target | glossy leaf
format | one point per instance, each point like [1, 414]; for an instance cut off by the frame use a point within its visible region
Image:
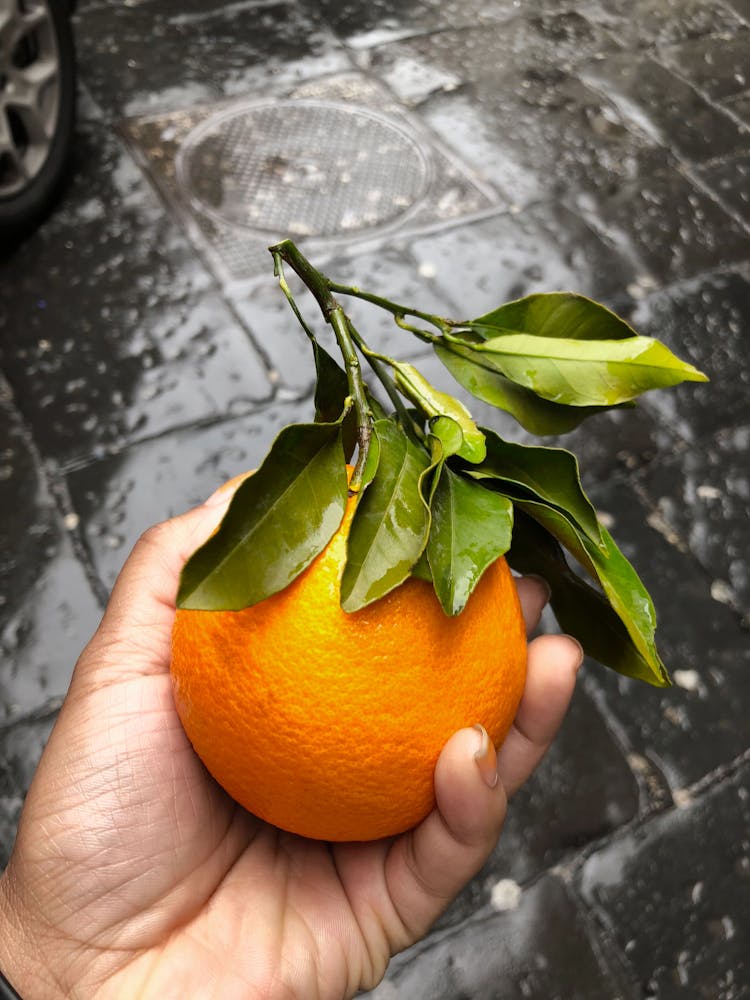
[479, 377]
[626, 596]
[331, 392]
[279, 519]
[471, 527]
[555, 314]
[549, 474]
[331, 386]
[449, 434]
[433, 404]
[581, 610]
[421, 569]
[585, 372]
[391, 522]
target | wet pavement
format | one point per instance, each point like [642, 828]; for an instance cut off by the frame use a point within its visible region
[146, 355]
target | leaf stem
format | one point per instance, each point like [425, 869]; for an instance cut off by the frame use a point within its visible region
[396, 310]
[379, 363]
[278, 270]
[333, 314]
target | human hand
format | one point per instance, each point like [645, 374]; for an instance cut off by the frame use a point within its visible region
[134, 874]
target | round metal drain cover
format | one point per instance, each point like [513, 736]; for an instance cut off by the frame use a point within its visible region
[302, 168]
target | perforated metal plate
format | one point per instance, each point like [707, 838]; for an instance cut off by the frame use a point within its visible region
[335, 165]
[307, 168]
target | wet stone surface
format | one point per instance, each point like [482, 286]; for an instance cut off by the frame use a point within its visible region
[690, 862]
[704, 320]
[364, 23]
[702, 494]
[729, 181]
[520, 954]
[148, 346]
[648, 23]
[47, 608]
[118, 498]
[600, 147]
[700, 723]
[671, 227]
[556, 813]
[572, 138]
[205, 52]
[21, 747]
[666, 107]
[506, 257]
[717, 66]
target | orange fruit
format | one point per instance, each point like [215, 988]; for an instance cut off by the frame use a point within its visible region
[329, 724]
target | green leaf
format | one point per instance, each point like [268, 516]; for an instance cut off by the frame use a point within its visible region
[554, 314]
[479, 377]
[434, 404]
[449, 434]
[471, 527]
[390, 524]
[580, 610]
[585, 372]
[279, 519]
[549, 474]
[628, 597]
[331, 386]
[421, 569]
[331, 392]
[624, 592]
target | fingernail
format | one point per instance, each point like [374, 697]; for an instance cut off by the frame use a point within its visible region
[580, 653]
[543, 582]
[486, 758]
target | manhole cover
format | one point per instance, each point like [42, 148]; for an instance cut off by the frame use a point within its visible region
[305, 168]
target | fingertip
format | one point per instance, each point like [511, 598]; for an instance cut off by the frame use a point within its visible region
[556, 654]
[533, 593]
[469, 796]
[428, 866]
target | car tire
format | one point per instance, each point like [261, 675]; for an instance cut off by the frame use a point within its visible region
[43, 33]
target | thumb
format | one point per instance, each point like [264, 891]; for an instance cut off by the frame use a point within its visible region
[428, 866]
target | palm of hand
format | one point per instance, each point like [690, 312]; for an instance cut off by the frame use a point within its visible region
[144, 878]
[163, 872]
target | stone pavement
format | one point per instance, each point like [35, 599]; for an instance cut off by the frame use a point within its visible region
[146, 355]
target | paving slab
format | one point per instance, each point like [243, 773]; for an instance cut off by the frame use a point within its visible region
[205, 52]
[582, 792]
[48, 609]
[671, 227]
[739, 107]
[702, 494]
[364, 23]
[120, 496]
[527, 124]
[655, 23]
[674, 895]
[149, 344]
[21, 747]
[703, 320]
[741, 7]
[504, 257]
[728, 180]
[666, 107]
[699, 724]
[714, 65]
[522, 953]
[599, 146]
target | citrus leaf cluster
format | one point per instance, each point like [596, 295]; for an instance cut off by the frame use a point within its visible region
[438, 497]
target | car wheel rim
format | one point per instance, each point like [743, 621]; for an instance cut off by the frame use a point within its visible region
[29, 91]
